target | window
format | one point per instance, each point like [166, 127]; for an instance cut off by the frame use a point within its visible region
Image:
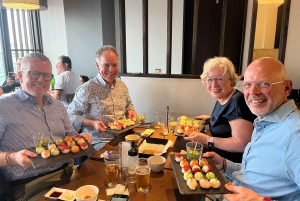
[20, 35]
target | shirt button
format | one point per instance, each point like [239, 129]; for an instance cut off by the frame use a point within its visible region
[258, 133]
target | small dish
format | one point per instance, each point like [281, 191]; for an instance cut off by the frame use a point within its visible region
[147, 133]
[60, 193]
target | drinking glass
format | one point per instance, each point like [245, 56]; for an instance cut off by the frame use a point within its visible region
[142, 172]
[194, 150]
[112, 168]
[157, 120]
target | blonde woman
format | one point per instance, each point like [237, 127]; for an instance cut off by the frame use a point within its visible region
[231, 121]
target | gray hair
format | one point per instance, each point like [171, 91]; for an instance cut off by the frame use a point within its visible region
[221, 62]
[34, 56]
[103, 49]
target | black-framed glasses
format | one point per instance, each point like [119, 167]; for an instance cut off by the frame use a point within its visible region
[209, 80]
[35, 75]
[262, 86]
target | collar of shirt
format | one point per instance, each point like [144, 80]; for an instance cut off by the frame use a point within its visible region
[22, 96]
[103, 82]
[280, 113]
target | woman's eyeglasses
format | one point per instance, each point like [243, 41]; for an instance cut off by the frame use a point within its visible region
[209, 80]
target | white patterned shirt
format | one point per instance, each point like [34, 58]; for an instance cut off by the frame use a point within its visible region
[20, 119]
[95, 100]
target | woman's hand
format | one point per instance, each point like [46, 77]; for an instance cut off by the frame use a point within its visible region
[241, 193]
[217, 159]
[198, 137]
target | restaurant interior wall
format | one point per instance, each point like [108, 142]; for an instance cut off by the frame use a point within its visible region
[292, 56]
[54, 32]
[144, 89]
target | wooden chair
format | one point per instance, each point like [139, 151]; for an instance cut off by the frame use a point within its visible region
[70, 97]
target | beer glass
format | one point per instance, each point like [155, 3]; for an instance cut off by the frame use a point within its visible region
[112, 168]
[142, 172]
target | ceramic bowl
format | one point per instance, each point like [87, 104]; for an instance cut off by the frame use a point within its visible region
[87, 193]
[157, 163]
[132, 138]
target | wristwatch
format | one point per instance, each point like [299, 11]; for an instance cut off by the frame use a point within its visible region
[211, 141]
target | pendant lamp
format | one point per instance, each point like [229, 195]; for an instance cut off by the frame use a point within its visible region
[26, 4]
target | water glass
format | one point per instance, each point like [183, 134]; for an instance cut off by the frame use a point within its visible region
[112, 168]
[157, 120]
[142, 172]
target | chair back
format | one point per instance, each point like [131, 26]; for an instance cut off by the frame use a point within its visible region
[70, 97]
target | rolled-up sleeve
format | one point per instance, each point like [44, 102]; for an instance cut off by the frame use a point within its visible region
[230, 168]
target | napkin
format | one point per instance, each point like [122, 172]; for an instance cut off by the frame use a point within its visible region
[119, 189]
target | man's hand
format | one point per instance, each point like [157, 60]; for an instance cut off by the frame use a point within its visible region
[131, 114]
[10, 81]
[99, 126]
[241, 193]
[217, 159]
[21, 158]
[87, 137]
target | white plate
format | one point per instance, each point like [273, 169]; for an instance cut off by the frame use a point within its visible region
[66, 194]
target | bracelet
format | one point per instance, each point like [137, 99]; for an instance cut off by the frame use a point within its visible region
[224, 165]
[5, 158]
[8, 158]
[267, 199]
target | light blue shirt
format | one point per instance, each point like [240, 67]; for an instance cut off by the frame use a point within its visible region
[95, 100]
[271, 161]
[20, 119]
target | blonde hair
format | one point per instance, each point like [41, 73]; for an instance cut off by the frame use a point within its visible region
[221, 62]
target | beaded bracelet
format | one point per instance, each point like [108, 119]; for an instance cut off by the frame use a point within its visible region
[267, 199]
[224, 165]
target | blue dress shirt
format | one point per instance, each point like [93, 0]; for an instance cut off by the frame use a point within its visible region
[271, 161]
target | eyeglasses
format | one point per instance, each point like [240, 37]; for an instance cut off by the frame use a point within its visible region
[262, 86]
[209, 81]
[35, 75]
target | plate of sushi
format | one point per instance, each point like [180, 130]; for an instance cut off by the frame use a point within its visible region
[186, 126]
[120, 126]
[197, 177]
[59, 150]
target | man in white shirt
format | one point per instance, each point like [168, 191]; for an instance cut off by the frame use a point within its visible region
[67, 81]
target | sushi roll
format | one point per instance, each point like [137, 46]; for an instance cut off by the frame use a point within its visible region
[45, 154]
[75, 149]
[70, 143]
[39, 149]
[54, 152]
[65, 149]
[83, 146]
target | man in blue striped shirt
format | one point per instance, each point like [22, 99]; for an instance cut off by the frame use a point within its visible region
[24, 114]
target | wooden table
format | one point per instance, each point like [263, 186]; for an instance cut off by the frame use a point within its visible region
[163, 186]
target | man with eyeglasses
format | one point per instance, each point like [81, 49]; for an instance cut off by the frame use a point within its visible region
[24, 114]
[271, 163]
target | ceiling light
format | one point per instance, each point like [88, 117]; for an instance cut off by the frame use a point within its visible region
[26, 4]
